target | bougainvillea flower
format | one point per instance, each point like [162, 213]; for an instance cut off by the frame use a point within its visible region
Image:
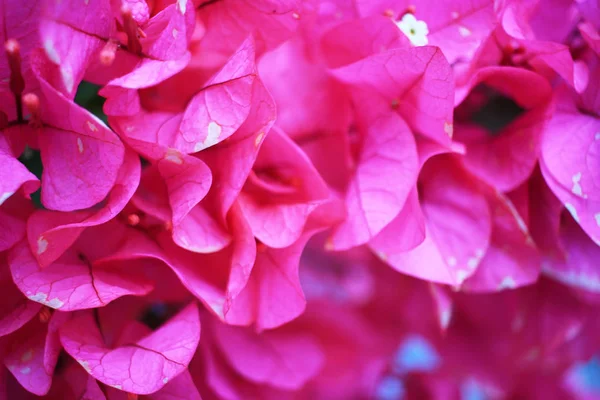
[50, 233]
[73, 281]
[228, 23]
[281, 192]
[287, 360]
[33, 352]
[457, 28]
[212, 114]
[416, 82]
[81, 155]
[19, 27]
[159, 356]
[504, 118]
[568, 161]
[97, 35]
[456, 231]
[16, 309]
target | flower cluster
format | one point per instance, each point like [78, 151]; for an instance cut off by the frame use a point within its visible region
[300, 199]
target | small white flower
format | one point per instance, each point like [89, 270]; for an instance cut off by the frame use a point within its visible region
[415, 30]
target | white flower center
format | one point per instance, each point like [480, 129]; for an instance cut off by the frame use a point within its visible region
[415, 30]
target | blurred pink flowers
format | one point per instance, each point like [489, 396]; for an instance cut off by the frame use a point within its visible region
[300, 199]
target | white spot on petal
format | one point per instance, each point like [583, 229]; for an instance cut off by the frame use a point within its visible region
[576, 186]
[174, 156]
[118, 387]
[212, 137]
[597, 217]
[43, 299]
[415, 30]
[259, 139]
[507, 283]
[165, 380]
[182, 5]
[597, 136]
[5, 196]
[175, 33]
[572, 210]
[451, 261]
[461, 275]
[51, 51]
[25, 370]
[473, 262]
[80, 145]
[42, 245]
[67, 77]
[92, 126]
[449, 128]
[445, 317]
[382, 256]
[85, 365]
[464, 31]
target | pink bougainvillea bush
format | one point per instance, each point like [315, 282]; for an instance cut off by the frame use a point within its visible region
[300, 199]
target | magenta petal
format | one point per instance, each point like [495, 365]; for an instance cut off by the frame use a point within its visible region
[579, 269]
[180, 387]
[13, 174]
[283, 361]
[26, 359]
[570, 154]
[71, 283]
[277, 207]
[369, 36]
[308, 99]
[457, 27]
[57, 231]
[512, 259]
[168, 31]
[15, 309]
[457, 222]
[200, 232]
[187, 179]
[159, 357]
[388, 154]
[232, 161]
[417, 82]
[273, 295]
[235, 20]
[405, 232]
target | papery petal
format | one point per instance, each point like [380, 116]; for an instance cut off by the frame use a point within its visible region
[15, 309]
[59, 230]
[512, 259]
[578, 269]
[506, 159]
[570, 156]
[308, 99]
[388, 154]
[161, 356]
[417, 82]
[284, 361]
[26, 359]
[13, 174]
[458, 28]
[71, 283]
[231, 162]
[457, 230]
[277, 218]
